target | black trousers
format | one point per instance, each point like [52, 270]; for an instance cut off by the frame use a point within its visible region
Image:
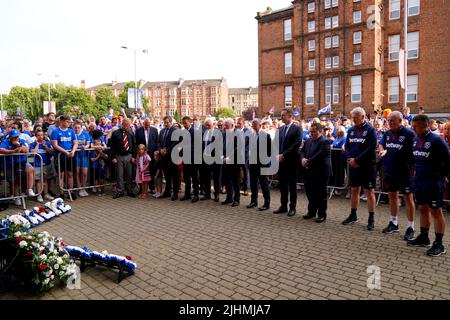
[245, 176]
[191, 177]
[316, 192]
[208, 170]
[231, 174]
[255, 178]
[288, 174]
[170, 171]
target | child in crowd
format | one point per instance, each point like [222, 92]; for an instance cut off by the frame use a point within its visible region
[158, 174]
[143, 170]
[98, 157]
[45, 150]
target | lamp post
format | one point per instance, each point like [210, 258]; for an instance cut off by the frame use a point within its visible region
[145, 51]
[48, 86]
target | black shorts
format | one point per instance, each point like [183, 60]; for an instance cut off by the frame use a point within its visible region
[67, 164]
[398, 184]
[430, 193]
[365, 177]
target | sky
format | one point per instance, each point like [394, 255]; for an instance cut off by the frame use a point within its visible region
[72, 40]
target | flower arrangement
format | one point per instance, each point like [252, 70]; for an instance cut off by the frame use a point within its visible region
[101, 257]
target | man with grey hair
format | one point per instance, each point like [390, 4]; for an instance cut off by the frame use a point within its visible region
[360, 150]
[230, 164]
[396, 150]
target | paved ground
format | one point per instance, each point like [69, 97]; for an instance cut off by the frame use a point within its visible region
[208, 251]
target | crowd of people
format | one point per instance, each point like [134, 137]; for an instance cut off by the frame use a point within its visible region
[77, 154]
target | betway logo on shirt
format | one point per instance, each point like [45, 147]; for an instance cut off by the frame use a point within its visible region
[394, 146]
[357, 140]
[65, 139]
[423, 154]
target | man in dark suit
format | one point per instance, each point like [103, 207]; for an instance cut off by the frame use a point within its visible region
[231, 166]
[123, 154]
[170, 169]
[255, 165]
[208, 169]
[245, 184]
[290, 140]
[316, 159]
[148, 136]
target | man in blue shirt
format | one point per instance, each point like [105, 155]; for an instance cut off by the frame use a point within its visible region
[360, 151]
[14, 165]
[432, 165]
[396, 151]
[65, 143]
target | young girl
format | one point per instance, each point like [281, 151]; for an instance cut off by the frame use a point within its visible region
[142, 170]
[98, 158]
[84, 141]
[158, 175]
[45, 150]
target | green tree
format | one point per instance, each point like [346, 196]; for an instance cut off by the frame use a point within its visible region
[225, 113]
[177, 116]
[105, 99]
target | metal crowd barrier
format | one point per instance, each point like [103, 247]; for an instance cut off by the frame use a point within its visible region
[100, 169]
[13, 177]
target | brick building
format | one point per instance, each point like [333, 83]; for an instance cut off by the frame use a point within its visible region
[240, 99]
[345, 53]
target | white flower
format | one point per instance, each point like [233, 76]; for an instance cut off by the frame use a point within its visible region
[61, 273]
[52, 277]
[59, 260]
[56, 266]
[43, 257]
[29, 237]
[22, 244]
[46, 281]
[17, 234]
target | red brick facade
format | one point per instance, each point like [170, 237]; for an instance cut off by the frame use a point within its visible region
[332, 84]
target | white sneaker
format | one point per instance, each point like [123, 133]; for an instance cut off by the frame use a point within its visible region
[40, 199]
[48, 197]
[18, 201]
[94, 189]
[85, 194]
[157, 195]
[31, 193]
[363, 197]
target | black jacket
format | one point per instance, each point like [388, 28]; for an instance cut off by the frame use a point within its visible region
[153, 141]
[254, 146]
[318, 152]
[117, 147]
[290, 144]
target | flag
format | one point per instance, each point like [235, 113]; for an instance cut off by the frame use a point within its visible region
[296, 112]
[272, 110]
[131, 101]
[402, 71]
[325, 110]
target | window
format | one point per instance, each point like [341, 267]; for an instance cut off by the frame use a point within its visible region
[327, 23]
[335, 21]
[335, 41]
[287, 30]
[312, 45]
[158, 92]
[335, 61]
[412, 88]
[413, 45]
[309, 91]
[357, 59]
[393, 90]
[158, 102]
[288, 63]
[328, 91]
[327, 42]
[327, 4]
[356, 16]
[394, 47]
[356, 88]
[357, 37]
[213, 100]
[394, 9]
[334, 3]
[173, 92]
[312, 64]
[327, 62]
[311, 26]
[335, 90]
[288, 96]
[311, 7]
[413, 8]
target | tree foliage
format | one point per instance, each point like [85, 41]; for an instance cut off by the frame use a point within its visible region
[225, 113]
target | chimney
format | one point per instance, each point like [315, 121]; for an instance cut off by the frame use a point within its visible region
[83, 84]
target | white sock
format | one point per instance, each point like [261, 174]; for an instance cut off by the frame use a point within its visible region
[394, 220]
[411, 224]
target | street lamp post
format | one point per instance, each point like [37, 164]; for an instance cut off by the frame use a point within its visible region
[48, 86]
[145, 51]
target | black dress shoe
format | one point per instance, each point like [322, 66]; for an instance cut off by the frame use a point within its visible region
[280, 210]
[308, 216]
[174, 197]
[227, 201]
[205, 197]
[321, 219]
[291, 212]
[165, 195]
[131, 195]
[194, 199]
[235, 204]
[185, 198]
[252, 205]
[216, 198]
[118, 195]
[264, 208]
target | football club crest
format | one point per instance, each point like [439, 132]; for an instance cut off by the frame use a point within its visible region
[364, 133]
[401, 139]
[427, 145]
[353, 133]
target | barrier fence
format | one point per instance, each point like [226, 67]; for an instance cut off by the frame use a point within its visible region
[18, 174]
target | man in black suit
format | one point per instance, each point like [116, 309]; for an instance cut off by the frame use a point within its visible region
[148, 136]
[290, 140]
[316, 159]
[231, 166]
[245, 184]
[255, 165]
[208, 168]
[170, 169]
